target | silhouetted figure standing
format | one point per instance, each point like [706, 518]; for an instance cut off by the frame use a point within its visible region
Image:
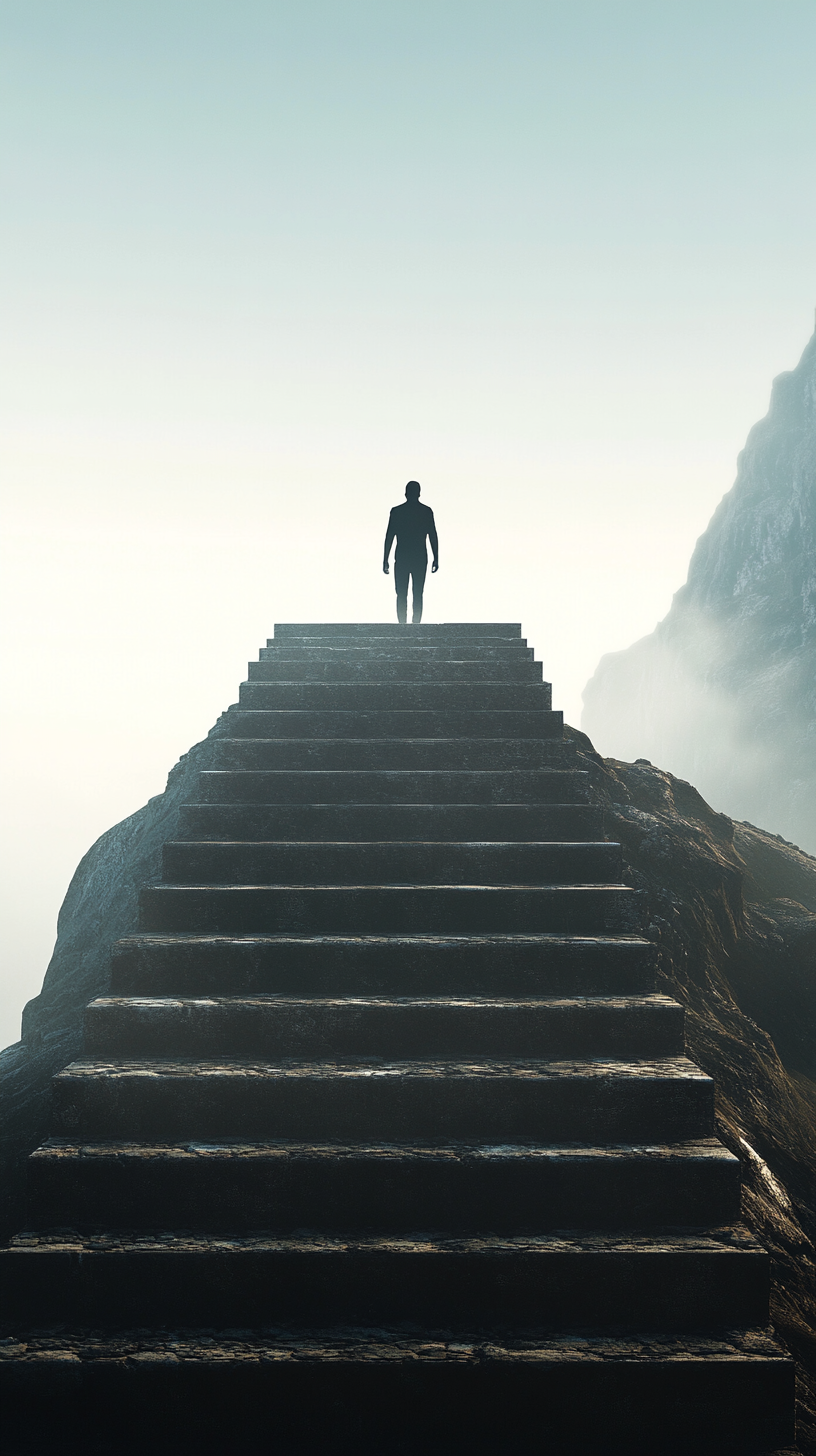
[413, 525]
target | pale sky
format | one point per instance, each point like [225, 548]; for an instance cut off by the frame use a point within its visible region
[264, 262]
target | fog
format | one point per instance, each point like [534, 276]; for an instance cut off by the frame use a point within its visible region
[264, 263]
[713, 706]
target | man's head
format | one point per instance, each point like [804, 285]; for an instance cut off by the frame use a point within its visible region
[412, 490]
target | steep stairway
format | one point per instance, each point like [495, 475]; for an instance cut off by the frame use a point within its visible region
[383, 1143]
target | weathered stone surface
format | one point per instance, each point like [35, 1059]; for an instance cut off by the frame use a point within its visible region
[536, 1284]
[363, 1392]
[723, 692]
[391, 1027]
[400, 1186]
[732, 912]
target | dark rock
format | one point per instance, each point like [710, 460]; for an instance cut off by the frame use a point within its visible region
[732, 910]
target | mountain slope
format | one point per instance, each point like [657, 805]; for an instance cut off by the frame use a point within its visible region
[732, 911]
[724, 690]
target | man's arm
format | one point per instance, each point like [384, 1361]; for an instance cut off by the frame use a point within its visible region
[389, 541]
[434, 540]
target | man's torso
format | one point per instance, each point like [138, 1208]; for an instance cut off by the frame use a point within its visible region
[412, 522]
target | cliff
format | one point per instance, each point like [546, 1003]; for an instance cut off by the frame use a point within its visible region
[724, 690]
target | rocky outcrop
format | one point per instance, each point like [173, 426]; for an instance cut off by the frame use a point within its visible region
[732, 910]
[724, 690]
[100, 906]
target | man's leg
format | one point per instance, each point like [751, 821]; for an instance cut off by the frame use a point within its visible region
[418, 581]
[401, 574]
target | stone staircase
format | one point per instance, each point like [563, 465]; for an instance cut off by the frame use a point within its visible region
[383, 1142]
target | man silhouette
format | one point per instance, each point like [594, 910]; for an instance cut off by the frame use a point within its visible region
[412, 524]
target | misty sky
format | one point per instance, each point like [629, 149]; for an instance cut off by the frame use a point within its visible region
[264, 262]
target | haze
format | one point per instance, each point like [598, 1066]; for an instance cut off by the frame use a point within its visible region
[263, 263]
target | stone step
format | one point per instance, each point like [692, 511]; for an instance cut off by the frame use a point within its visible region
[390, 753]
[657, 1100]
[413, 633]
[426, 822]
[391, 1189]
[448, 648]
[391, 909]
[365, 1392]
[390, 965]
[393, 786]
[310, 723]
[391, 697]
[392, 650]
[549, 1282]
[394, 1028]
[384, 670]
[282, 862]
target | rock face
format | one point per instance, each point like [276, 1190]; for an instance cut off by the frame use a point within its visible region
[101, 905]
[732, 911]
[723, 692]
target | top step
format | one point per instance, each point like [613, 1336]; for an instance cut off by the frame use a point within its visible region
[430, 630]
